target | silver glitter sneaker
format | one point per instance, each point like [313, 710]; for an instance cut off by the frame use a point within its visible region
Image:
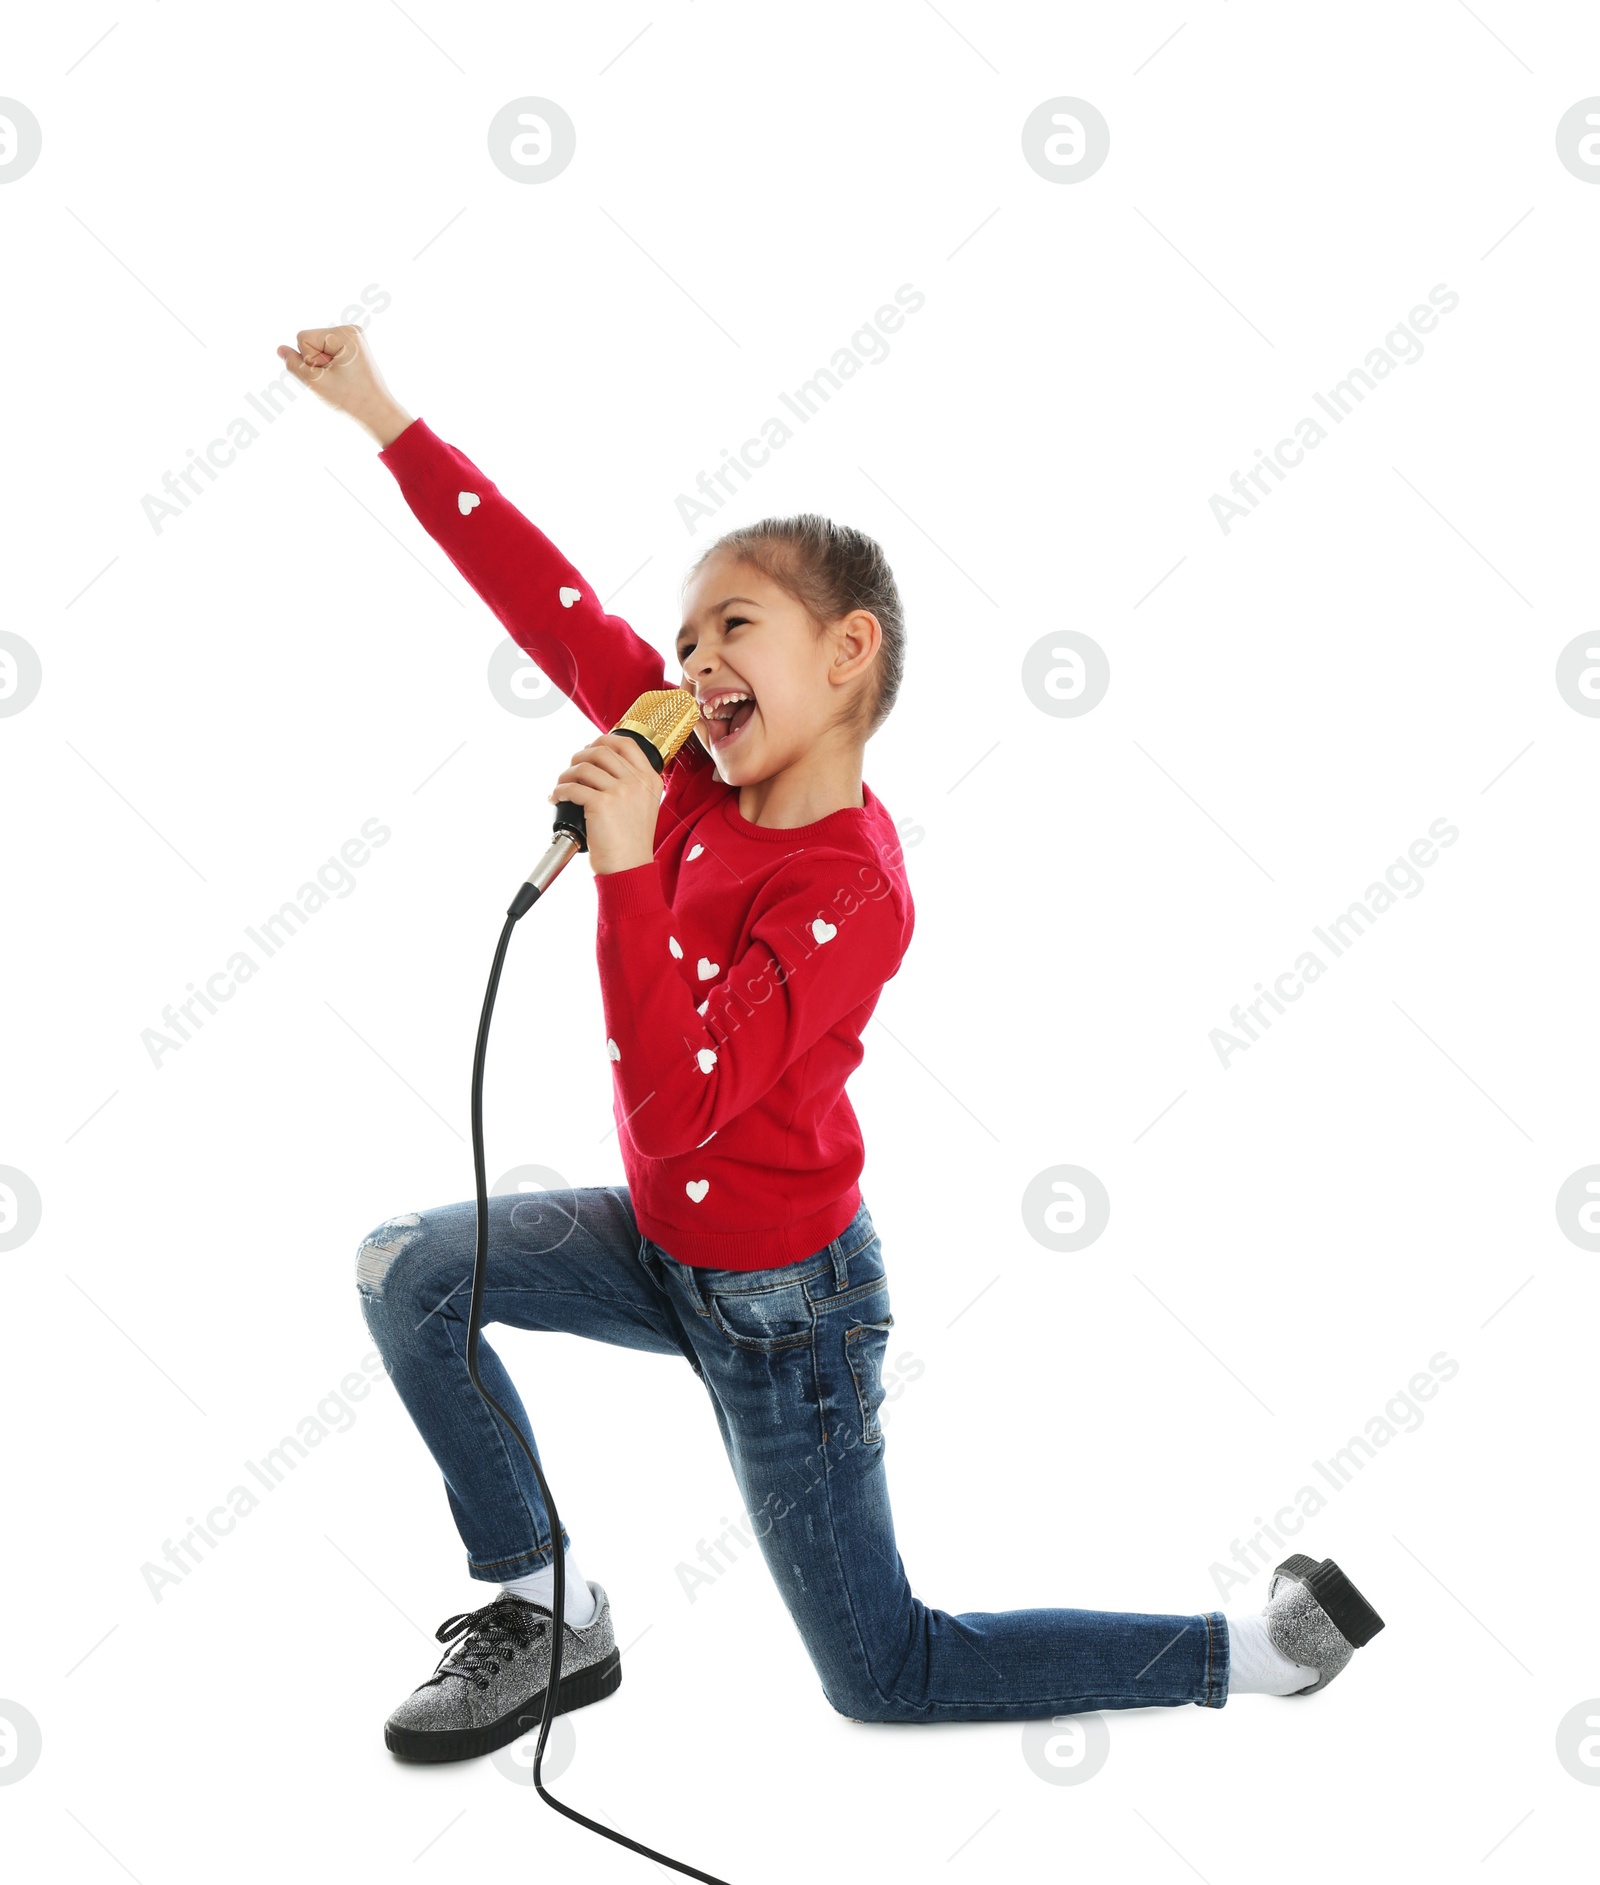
[1317, 1617]
[489, 1687]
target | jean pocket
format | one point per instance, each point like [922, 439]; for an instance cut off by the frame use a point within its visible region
[864, 1345]
[767, 1319]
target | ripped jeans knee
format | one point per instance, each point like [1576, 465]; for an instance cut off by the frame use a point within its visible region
[379, 1250]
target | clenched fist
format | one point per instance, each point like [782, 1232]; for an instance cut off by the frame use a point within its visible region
[337, 364]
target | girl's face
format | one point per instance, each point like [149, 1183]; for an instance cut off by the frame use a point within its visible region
[743, 634]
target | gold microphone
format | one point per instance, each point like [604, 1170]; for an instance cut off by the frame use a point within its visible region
[661, 722]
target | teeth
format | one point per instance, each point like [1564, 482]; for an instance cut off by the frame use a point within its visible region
[718, 710]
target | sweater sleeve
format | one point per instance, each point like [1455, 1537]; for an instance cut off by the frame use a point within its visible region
[825, 935]
[541, 600]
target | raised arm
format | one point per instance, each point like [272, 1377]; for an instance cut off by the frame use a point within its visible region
[543, 602]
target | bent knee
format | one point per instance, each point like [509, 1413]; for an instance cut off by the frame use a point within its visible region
[380, 1248]
[864, 1704]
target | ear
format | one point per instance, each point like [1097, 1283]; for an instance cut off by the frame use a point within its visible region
[856, 640]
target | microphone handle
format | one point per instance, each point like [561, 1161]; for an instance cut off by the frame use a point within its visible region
[570, 820]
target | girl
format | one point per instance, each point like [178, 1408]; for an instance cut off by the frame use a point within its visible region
[748, 917]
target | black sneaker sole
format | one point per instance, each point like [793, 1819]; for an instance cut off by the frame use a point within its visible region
[464, 1744]
[1346, 1609]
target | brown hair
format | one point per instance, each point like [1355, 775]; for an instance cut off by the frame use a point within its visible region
[830, 569]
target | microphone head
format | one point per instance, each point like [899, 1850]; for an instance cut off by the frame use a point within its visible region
[665, 717]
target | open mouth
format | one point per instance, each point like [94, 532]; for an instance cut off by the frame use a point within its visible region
[728, 718]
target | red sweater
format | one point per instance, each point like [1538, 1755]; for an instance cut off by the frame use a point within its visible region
[738, 968]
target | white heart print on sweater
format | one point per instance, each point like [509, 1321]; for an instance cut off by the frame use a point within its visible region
[707, 1057]
[613, 1052]
[704, 1005]
[696, 852]
[569, 596]
[674, 945]
[697, 1188]
[823, 930]
[707, 969]
[467, 502]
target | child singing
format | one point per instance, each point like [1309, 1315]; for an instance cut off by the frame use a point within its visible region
[750, 909]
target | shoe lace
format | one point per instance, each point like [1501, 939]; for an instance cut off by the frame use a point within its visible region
[482, 1638]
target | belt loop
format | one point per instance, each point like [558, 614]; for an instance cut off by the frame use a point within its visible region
[841, 1265]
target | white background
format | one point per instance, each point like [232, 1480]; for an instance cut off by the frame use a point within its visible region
[225, 701]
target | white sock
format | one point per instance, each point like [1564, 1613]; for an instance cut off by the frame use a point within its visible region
[539, 1587]
[1255, 1664]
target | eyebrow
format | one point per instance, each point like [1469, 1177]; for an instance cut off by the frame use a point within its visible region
[716, 608]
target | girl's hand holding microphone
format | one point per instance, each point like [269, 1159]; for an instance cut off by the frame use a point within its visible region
[337, 364]
[620, 792]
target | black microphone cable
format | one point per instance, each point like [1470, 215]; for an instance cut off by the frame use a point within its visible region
[570, 839]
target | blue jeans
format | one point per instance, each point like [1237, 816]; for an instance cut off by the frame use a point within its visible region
[791, 1359]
